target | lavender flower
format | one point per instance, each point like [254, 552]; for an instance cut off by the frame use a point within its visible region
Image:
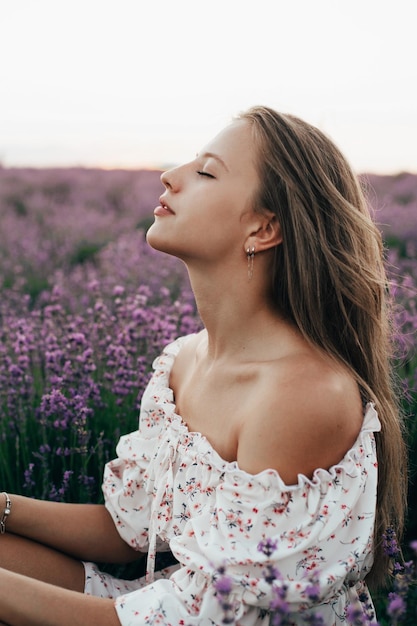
[396, 606]
[267, 546]
[223, 586]
[312, 591]
[86, 306]
[279, 605]
[390, 543]
[355, 615]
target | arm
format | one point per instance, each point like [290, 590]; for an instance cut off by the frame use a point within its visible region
[48, 605]
[83, 531]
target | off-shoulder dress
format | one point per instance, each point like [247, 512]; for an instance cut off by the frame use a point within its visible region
[168, 488]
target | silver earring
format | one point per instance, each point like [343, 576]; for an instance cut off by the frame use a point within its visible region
[250, 253]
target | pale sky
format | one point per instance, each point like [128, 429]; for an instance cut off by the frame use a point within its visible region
[136, 83]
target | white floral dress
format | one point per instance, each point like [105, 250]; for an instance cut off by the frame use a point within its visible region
[169, 487]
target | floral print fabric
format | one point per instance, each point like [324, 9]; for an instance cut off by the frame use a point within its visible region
[168, 486]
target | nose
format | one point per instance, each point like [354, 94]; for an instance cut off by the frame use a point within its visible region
[164, 179]
[173, 178]
[167, 178]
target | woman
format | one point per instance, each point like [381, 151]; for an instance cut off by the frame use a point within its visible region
[259, 430]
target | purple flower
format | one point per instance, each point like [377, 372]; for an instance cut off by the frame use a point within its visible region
[267, 546]
[28, 474]
[355, 614]
[396, 606]
[279, 605]
[223, 585]
[312, 592]
[76, 352]
[390, 544]
[271, 573]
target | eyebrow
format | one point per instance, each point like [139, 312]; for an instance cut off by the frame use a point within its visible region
[214, 156]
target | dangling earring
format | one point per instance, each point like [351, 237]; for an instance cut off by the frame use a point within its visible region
[250, 253]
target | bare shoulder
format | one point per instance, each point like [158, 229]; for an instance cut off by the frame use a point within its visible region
[308, 415]
[185, 358]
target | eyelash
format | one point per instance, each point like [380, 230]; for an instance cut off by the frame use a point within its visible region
[205, 174]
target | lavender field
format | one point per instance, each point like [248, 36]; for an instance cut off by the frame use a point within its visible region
[86, 305]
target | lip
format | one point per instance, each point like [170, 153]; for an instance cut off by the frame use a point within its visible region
[163, 208]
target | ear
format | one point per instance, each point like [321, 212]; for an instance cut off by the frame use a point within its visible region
[265, 233]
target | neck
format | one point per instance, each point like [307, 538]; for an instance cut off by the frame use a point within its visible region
[236, 312]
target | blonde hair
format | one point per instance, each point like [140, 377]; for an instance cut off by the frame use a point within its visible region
[328, 278]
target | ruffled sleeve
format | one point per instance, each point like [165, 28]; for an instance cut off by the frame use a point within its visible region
[128, 480]
[321, 528]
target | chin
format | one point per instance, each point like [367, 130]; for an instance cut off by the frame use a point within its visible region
[159, 241]
[153, 239]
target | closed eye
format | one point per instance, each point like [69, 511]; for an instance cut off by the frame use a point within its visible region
[206, 174]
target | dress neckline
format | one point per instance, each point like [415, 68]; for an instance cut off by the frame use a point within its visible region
[163, 366]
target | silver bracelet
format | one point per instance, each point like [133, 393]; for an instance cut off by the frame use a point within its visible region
[6, 513]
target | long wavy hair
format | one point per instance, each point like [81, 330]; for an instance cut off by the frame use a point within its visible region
[328, 278]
